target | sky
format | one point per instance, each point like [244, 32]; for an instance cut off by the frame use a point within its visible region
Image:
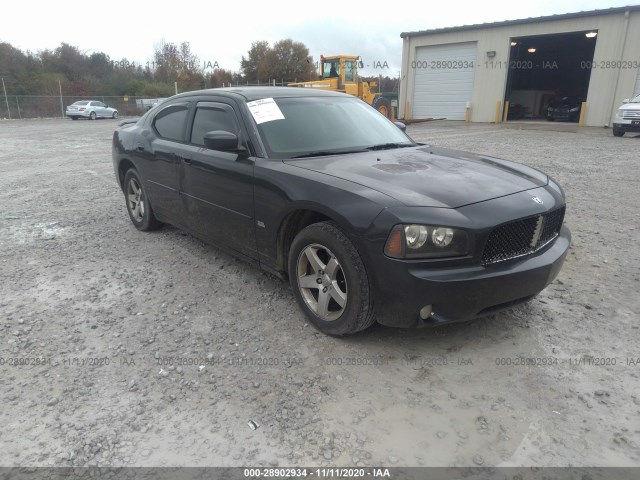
[223, 32]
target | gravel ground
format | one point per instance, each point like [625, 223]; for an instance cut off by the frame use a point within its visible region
[121, 348]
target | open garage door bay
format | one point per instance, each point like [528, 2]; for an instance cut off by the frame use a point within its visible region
[443, 80]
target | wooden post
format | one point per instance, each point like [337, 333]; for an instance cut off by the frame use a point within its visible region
[498, 112]
[583, 112]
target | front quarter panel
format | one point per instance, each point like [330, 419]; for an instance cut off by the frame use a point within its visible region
[282, 189]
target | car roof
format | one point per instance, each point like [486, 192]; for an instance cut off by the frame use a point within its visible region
[256, 93]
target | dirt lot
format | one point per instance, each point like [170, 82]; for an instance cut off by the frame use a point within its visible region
[125, 348]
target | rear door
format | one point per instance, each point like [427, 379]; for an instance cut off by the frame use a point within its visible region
[216, 186]
[98, 107]
[157, 150]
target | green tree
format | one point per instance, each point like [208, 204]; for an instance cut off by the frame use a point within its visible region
[254, 68]
[290, 61]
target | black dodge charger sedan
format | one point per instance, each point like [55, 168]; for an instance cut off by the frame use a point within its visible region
[320, 188]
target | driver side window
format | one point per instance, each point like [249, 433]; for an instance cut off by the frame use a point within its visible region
[211, 116]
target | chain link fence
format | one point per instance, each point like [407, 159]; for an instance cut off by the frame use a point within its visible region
[53, 106]
[43, 106]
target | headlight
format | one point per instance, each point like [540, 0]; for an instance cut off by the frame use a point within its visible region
[415, 236]
[574, 109]
[426, 241]
[619, 114]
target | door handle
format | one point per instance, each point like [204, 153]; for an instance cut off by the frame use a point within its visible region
[140, 147]
[186, 159]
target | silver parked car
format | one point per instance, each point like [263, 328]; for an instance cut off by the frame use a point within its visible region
[90, 109]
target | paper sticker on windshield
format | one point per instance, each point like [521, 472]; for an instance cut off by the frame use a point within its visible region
[265, 110]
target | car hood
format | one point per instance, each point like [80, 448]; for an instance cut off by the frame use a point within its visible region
[630, 106]
[428, 176]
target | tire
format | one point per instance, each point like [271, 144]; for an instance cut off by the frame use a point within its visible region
[383, 106]
[551, 119]
[115, 115]
[322, 253]
[138, 206]
[618, 133]
[74, 118]
[92, 116]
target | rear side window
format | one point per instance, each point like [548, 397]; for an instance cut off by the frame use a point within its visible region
[211, 116]
[169, 123]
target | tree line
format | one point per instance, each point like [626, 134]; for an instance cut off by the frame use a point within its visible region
[85, 74]
[96, 74]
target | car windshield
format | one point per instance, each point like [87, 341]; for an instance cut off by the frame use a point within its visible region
[635, 99]
[82, 102]
[314, 126]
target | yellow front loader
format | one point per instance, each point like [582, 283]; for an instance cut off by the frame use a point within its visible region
[340, 73]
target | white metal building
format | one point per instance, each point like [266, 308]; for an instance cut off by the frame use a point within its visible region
[470, 72]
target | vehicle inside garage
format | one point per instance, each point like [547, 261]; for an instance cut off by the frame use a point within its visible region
[549, 71]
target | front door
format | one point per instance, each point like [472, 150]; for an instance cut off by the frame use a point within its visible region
[216, 186]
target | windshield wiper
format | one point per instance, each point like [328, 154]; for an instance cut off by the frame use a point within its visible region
[322, 153]
[389, 146]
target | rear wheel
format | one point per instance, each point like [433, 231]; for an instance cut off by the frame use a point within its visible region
[74, 118]
[382, 105]
[138, 205]
[618, 133]
[329, 280]
[92, 116]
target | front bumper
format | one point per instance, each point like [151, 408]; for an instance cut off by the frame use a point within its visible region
[626, 127]
[462, 293]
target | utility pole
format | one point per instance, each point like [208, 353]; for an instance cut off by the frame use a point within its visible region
[61, 104]
[5, 98]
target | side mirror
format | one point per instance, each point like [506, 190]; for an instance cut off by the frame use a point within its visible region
[221, 140]
[400, 125]
[626, 100]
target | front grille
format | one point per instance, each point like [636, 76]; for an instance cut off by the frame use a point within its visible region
[522, 237]
[631, 115]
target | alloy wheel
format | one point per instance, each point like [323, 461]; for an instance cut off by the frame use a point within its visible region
[322, 282]
[135, 200]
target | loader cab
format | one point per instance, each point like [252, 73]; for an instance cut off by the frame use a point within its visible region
[331, 69]
[344, 68]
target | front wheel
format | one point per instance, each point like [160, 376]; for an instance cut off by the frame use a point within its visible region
[115, 115]
[618, 133]
[382, 105]
[329, 280]
[138, 205]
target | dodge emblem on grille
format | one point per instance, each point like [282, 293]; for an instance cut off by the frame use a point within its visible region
[537, 200]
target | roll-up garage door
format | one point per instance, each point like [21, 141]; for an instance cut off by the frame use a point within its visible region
[443, 80]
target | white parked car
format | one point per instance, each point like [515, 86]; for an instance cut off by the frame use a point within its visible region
[90, 109]
[627, 117]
